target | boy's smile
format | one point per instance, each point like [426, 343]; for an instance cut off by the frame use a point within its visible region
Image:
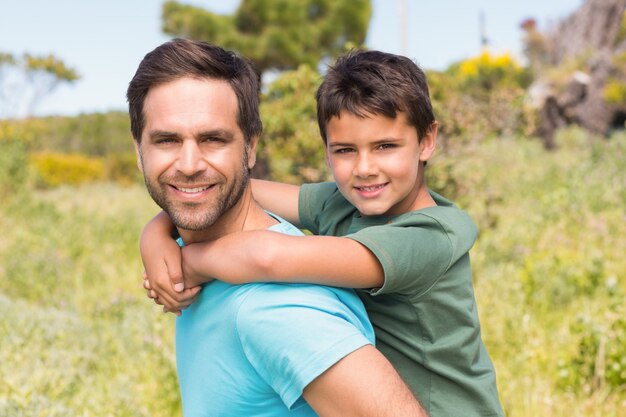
[376, 162]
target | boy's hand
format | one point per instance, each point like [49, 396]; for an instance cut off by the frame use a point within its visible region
[163, 277]
[172, 301]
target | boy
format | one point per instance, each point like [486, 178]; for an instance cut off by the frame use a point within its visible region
[377, 227]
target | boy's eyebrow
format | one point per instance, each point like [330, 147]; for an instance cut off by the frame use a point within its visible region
[376, 142]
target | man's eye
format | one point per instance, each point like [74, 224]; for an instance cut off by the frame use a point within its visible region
[165, 140]
[385, 146]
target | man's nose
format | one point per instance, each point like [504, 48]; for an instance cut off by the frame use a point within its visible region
[365, 165]
[190, 159]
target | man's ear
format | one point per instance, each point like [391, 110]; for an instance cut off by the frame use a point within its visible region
[429, 142]
[252, 152]
[138, 155]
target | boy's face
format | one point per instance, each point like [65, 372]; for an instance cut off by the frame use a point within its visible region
[192, 153]
[376, 162]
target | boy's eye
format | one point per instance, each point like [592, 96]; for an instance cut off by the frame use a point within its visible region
[343, 150]
[385, 146]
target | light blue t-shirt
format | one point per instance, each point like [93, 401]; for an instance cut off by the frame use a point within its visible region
[250, 350]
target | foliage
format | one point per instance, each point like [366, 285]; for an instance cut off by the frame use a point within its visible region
[599, 360]
[548, 270]
[70, 150]
[78, 336]
[487, 72]
[27, 79]
[81, 339]
[13, 166]
[275, 34]
[96, 134]
[54, 169]
[479, 98]
[121, 167]
[291, 141]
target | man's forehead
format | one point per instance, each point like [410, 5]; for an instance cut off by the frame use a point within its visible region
[191, 104]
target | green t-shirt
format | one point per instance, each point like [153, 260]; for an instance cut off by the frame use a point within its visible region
[424, 315]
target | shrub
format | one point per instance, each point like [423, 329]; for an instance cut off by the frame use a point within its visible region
[54, 169]
[599, 359]
[122, 168]
[291, 141]
[13, 166]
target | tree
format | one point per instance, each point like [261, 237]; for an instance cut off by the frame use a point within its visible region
[27, 79]
[276, 34]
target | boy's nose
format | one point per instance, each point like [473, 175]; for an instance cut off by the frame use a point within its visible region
[365, 166]
[190, 159]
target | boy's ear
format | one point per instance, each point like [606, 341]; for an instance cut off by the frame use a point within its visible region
[429, 142]
[252, 152]
[138, 156]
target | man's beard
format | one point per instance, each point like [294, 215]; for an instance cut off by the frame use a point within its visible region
[199, 217]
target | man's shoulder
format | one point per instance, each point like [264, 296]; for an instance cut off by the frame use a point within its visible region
[265, 297]
[283, 226]
[274, 305]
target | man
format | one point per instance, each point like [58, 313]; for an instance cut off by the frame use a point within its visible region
[257, 349]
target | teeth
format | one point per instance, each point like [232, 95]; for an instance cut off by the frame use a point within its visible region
[193, 190]
[371, 188]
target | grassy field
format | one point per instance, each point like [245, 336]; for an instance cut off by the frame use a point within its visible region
[79, 338]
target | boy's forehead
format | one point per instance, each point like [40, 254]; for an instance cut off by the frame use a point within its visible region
[347, 126]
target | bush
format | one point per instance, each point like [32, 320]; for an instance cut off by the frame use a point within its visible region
[13, 166]
[291, 142]
[122, 168]
[599, 360]
[480, 98]
[54, 169]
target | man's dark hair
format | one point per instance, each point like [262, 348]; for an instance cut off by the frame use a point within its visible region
[180, 58]
[373, 82]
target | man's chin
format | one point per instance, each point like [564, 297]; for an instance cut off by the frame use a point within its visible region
[192, 224]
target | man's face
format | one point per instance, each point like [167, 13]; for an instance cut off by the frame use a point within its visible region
[192, 153]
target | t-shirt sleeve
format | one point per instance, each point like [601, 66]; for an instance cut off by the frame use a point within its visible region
[413, 258]
[292, 336]
[311, 202]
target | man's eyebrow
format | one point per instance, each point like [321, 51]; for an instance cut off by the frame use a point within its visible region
[220, 133]
[159, 134]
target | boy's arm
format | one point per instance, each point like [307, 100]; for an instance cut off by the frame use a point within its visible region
[263, 255]
[161, 257]
[278, 198]
[362, 384]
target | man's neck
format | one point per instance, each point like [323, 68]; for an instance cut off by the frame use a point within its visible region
[246, 214]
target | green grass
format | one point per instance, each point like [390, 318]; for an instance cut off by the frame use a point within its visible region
[79, 337]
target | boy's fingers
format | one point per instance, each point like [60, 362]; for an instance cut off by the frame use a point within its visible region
[176, 276]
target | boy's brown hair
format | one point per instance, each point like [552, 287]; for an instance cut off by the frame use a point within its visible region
[373, 82]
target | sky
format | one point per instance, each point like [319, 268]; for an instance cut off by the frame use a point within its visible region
[105, 40]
